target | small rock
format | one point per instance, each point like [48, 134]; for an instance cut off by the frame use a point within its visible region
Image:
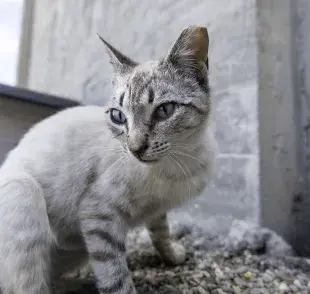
[294, 289]
[267, 277]
[239, 281]
[297, 284]
[219, 273]
[259, 291]
[283, 287]
[218, 291]
[211, 286]
[200, 290]
[249, 236]
[236, 290]
[248, 275]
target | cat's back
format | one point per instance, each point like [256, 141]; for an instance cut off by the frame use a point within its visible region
[66, 122]
[58, 139]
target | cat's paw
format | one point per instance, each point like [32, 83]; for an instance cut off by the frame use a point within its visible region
[176, 254]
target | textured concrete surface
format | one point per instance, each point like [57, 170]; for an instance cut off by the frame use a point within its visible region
[68, 60]
[284, 115]
[276, 112]
[302, 92]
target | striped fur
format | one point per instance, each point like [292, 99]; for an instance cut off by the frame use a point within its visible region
[80, 179]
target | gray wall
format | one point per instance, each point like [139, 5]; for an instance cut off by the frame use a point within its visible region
[68, 60]
[278, 130]
[16, 117]
[302, 92]
[284, 116]
[301, 67]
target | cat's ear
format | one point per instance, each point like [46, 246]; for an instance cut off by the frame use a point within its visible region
[191, 48]
[120, 62]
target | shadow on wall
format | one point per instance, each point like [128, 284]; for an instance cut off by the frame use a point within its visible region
[20, 109]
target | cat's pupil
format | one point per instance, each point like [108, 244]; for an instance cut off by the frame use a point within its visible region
[163, 111]
[117, 116]
[166, 110]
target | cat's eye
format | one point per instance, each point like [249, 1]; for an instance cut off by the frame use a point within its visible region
[164, 111]
[117, 116]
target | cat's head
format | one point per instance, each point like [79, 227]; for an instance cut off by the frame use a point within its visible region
[161, 104]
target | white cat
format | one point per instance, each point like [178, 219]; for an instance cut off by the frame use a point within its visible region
[80, 179]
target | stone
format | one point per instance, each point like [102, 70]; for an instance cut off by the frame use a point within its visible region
[249, 236]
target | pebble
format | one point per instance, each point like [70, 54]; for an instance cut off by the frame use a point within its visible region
[236, 290]
[200, 290]
[259, 291]
[238, 281]
[283, 287]
[248, 275]
[267, 278]
[218, 291]
[298, 284]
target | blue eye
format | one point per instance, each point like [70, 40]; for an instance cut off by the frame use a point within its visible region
[117, 116]
[164, 111]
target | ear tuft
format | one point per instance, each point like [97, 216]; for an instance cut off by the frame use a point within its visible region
[120, 62]
[191, 48]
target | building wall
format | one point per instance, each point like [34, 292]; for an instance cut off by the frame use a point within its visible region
[301, 213]
[16, 117]
[67, 59]
[284, 116]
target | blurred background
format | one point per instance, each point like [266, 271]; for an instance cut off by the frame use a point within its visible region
[259, 69]
[10, 31]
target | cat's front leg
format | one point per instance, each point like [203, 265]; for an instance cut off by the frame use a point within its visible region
[171, 252]
[105, 234]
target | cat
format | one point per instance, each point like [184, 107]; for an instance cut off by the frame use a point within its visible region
[80, 179]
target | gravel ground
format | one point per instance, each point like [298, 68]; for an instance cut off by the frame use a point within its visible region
[215, 271]
[218, 272]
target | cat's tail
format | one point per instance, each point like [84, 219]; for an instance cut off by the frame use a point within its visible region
[26, 238]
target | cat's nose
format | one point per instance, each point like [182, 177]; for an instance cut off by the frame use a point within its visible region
[137, 143]
[138, 151]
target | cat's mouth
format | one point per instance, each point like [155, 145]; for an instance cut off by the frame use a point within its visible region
[145, 159]
[148, 160]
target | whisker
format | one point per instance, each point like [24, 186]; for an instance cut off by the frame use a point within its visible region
[114, 150]
[115, 162]
[182, 162]
[190, 134]
[169, 159]
[185, 144]
[186, 147]
[165, 158]
[185, 154]
[186, 176]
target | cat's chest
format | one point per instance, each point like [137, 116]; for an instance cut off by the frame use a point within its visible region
[154, 194]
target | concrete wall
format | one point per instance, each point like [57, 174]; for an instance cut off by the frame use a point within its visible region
[278, 130]
[284, 116]
[68, 60]
[301, 43]
[16, 117]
